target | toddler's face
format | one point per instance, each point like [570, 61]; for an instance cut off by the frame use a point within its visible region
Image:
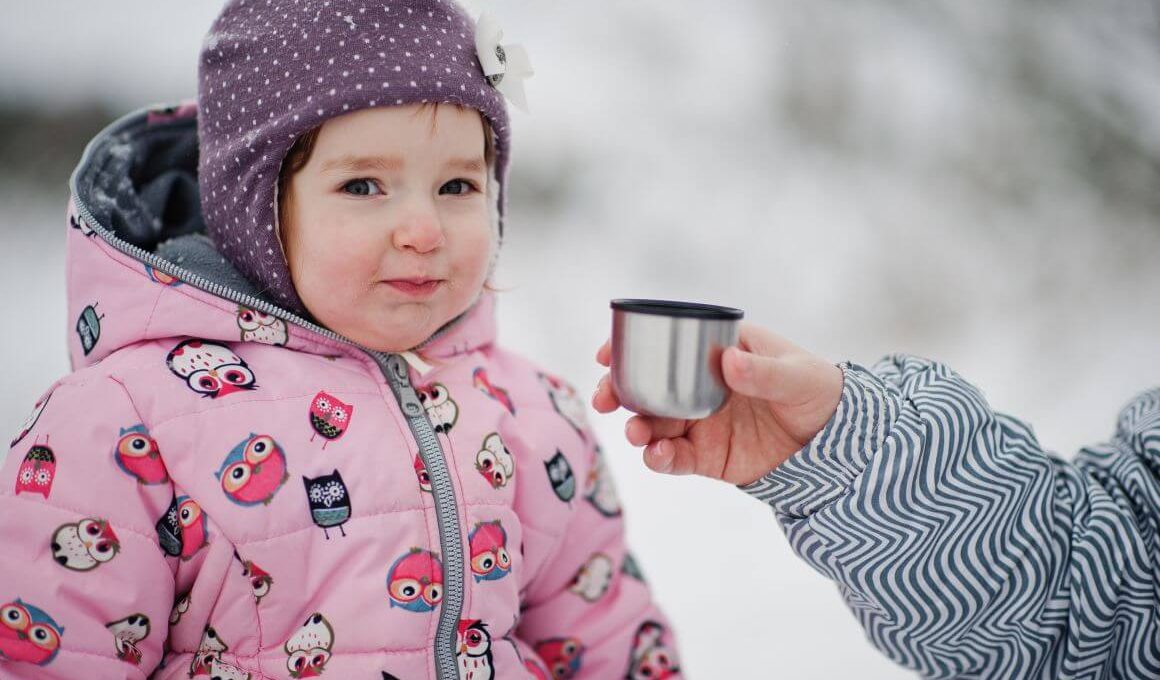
[387, 227]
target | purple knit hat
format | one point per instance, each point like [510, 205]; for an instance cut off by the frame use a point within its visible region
[271, 70]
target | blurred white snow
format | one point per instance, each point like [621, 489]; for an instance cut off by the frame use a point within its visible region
[970, 181]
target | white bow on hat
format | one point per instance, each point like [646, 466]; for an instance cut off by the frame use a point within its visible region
[506, 66]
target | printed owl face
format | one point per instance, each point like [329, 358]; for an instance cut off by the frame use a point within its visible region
[566, 402]
[650, 657]
[601, 492]
[179, 609]
[89, 328]
[495, 462]
[415, 581]
[85, 545]
[259, 326]
[329, 416]
[28, 634]
[483, 383]
[308, 649]
[329, 501]
[127, 632]
[182, 531]
[260, 581]
[254, 471]
[219, 670]
[474, 639]
[421, 473]
[209, 651]
[490, 560]
[162, 278]
[137, 454]
[210, 369]
[593, 579]
[562, 655]
[561, 476]
[37, 472]
[440, 407]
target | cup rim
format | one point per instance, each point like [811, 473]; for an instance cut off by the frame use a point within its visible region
[677, 308]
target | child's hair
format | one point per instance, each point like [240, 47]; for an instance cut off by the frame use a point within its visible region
[299, 155]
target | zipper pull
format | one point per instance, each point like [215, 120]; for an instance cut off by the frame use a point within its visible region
[408, 398]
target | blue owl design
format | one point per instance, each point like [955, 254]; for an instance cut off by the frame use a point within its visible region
[253, 471]
[329, 501]
[28, 634]
[561, 476]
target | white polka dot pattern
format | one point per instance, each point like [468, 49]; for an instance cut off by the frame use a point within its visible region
[272, 69]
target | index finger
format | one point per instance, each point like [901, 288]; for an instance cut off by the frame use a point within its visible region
[604, 354]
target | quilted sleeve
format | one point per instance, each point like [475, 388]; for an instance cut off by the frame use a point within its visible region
[85, 589]
[966, 550]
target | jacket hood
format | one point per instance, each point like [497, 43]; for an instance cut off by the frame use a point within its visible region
[140, 267]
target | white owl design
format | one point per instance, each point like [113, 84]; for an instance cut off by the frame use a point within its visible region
[441, 408]
[210, 369]
[474, 651]
[566, 401]
[309, 648]
[593, 579]
[126, 634]
[494, 461]
[85, 545]
[261, 327]
[209, 651]
[601, 492]
[224, 671]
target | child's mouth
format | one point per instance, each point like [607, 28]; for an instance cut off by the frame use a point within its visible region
[415, 287]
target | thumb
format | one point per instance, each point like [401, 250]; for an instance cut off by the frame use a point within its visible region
[762, 377]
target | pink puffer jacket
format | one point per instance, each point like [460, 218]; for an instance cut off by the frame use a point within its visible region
[222, 489]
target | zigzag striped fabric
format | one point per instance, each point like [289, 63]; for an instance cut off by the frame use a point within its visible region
[963, 548]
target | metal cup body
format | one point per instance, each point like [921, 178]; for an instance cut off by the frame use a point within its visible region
[670, 366]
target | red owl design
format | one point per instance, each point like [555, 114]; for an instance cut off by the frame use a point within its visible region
[562, 655]
[479, 377]
[28, 634]
[38, 471]
[137, 454]
[421, 473]
[329, 417]
[651, 658]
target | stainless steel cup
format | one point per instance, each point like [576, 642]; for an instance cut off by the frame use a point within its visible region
[666, 356]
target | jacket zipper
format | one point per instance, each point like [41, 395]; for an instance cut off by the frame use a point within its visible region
[393, 367]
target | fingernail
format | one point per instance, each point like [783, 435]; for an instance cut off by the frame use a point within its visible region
[744, 362]
[661, 462]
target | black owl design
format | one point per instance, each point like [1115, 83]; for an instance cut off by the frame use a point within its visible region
[562, 478]
[89, 328]
[329, 501]
[169, 531]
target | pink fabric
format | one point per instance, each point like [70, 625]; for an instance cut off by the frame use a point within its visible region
[221, 442]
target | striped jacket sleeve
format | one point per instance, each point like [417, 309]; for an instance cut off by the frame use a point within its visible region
[963, 548]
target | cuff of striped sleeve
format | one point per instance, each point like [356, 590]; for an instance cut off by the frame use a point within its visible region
[825, 468]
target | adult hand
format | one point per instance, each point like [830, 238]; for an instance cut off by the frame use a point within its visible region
[781, 396]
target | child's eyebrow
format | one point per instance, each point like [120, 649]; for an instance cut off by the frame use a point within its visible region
[395, 163]
[355, 163]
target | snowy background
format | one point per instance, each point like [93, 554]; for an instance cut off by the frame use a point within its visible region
[974, 181]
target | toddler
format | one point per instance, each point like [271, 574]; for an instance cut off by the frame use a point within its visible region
[291, 445]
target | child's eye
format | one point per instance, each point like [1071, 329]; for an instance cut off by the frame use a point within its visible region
[362, 187]
[457, 187]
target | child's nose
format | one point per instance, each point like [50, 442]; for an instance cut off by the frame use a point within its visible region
[419, 230]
